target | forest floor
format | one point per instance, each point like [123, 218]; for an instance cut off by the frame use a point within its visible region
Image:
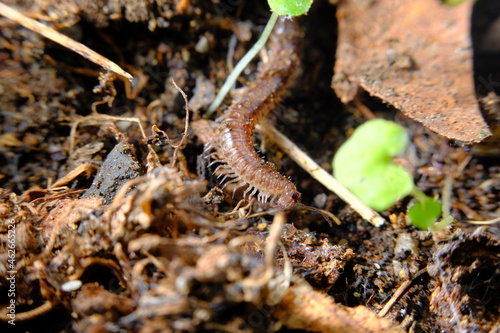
[111, 233]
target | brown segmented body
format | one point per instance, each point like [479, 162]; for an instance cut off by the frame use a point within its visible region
[234, 146]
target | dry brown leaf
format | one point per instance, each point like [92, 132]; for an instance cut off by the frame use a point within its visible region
[415, 55]
[87, 168]
[59, 215]
[9, 140]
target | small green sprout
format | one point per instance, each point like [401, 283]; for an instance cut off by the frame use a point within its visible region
[278, 7]
[290, 8]
[364, 164]
[453, 2]
[424, 214]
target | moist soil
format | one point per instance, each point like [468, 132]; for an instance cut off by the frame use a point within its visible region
[110, 236]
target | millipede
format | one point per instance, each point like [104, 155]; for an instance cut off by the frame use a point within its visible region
[233, 146]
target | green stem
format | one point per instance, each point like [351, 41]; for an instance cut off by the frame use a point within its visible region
[445, 221]
[242, 64]
[446, 196]
[446, 203]
[418, 194]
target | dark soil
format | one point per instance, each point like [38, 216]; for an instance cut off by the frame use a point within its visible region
[152, 248]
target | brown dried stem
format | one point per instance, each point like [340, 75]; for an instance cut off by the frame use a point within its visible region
[186, 127]
[399, 293]
[99, 118]
[64, 40]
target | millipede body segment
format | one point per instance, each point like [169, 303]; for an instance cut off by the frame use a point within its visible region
[240, 163]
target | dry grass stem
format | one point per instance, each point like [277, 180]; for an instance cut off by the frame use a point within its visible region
[399, 293]
[99, 118]
[186, 127]
[487, 222]
[64, 40]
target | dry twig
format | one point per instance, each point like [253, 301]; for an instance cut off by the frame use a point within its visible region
[30, 314]
[64, 40]
[400, 292]
[487, 222]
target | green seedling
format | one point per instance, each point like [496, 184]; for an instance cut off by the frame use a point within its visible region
[365, 165]
[424, 214]
[278, 7]
[290, 8]
[426, 211]
[453, 2]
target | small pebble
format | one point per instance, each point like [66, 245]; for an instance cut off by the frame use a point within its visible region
[202, 45]
[71, 285]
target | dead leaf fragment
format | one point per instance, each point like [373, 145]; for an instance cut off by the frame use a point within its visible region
[87, 169]
[9, 140]
[415, 55]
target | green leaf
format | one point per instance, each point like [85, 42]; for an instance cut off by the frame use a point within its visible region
[425, 213]
[364, 164]
[290, 8]
[453, 2]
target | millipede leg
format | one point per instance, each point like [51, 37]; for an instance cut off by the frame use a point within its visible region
[238, 186]
[250, 187]
[253, 193]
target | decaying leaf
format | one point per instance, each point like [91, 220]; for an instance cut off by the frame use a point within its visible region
[415, 55]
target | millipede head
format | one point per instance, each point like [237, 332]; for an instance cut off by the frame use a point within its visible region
[289, 198]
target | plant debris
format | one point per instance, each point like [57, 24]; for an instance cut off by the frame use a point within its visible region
[118, 223]
[420, 63]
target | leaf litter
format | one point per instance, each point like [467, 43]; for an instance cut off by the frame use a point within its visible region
[415, 55]
[157, 257]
